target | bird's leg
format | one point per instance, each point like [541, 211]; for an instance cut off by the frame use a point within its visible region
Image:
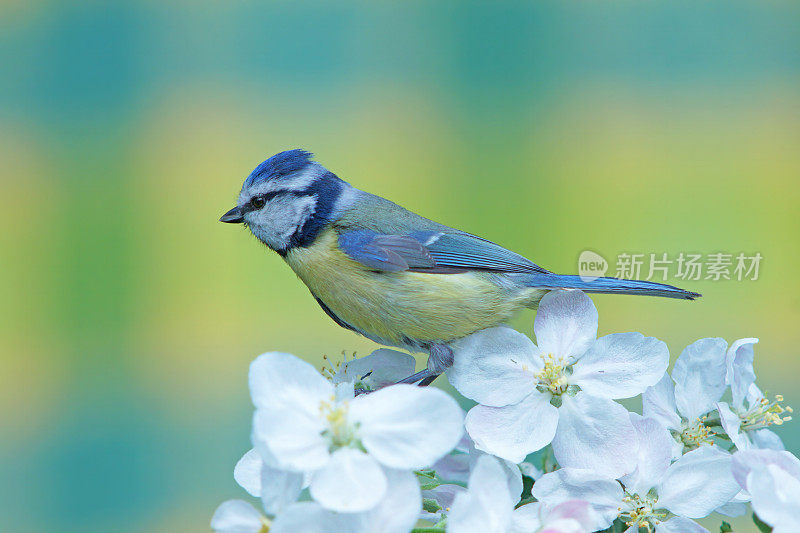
[440, 358]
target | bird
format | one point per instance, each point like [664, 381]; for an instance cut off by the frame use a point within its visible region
[391, 275]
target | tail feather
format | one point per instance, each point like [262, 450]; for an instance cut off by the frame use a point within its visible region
[609, 286]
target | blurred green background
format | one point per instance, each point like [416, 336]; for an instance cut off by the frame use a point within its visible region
[129, 314]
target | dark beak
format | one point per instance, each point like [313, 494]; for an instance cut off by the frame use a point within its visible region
[234, 216]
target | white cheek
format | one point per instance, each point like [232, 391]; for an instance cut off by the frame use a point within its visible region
[280, 219]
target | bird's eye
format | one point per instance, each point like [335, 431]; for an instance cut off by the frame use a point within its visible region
[258, 201]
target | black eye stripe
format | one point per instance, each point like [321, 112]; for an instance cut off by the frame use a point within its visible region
[270, 195]
[267, 196]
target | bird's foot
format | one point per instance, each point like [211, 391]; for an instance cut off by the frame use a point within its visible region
[420, 376]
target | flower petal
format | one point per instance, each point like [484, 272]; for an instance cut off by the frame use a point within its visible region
[279, 488]
[236, 516]
[400, 508]
[351, 482]
[247, 472]
[513, 431]
[766, 439]
[595, 433]
[740, 374]
[579, 510]
[746, 461]
[404, 426]
[379, 369]
[653, 455]
[513, 478]
[565, 324]
[603, 493]
[287, 426]
[698, 483]
[731, 423]
[310, 517]
[526, 518]
[282, 379]
[658, 402]
[468, 515]
[732, 509]
[495, 366]
[679, 524]
[453, 467]
[291, 435]
[699, 375]
[487, 505]
[776, 497]
[621, 365]
[489, 482]
[563, 525]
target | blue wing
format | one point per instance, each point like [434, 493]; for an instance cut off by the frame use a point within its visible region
[433, 252]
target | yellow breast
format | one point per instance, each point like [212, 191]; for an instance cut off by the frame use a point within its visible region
[402, 308]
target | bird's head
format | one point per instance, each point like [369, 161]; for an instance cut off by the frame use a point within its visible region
[287, 200]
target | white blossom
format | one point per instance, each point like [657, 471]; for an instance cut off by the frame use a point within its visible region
[561, 390]
[455, 469]
[238, 516]
[750, 412]
[573, 516]
[657, 495]
[276, 488]
[396, 512]
[459, 463]
[682, 403]
[487, 506]
[772, 477]
[346, 443]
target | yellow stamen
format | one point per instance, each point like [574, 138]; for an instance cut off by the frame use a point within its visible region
[765, 413]
[340, 432]
[697, 433]
[552, 377]
[641, 512]
[265, 525]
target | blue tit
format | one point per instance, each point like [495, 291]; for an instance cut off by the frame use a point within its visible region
[389, 274]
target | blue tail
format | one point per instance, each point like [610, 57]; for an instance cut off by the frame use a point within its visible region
[608, 286]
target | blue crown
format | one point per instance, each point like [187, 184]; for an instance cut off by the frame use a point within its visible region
[279, 165]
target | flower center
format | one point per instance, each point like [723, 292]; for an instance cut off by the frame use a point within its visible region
[265, 524]
[553, 377]
[696, 433]
[765, 413]
[340, 432]
[640, 511]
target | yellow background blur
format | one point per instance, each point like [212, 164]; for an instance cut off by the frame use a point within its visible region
[129, 314]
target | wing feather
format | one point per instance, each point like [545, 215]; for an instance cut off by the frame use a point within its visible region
[432, 251]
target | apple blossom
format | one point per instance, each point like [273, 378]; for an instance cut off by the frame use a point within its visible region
[750, 413]
[561, 390]
[487, 506]
[345, 442]
[772, 477]
[657, 495]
